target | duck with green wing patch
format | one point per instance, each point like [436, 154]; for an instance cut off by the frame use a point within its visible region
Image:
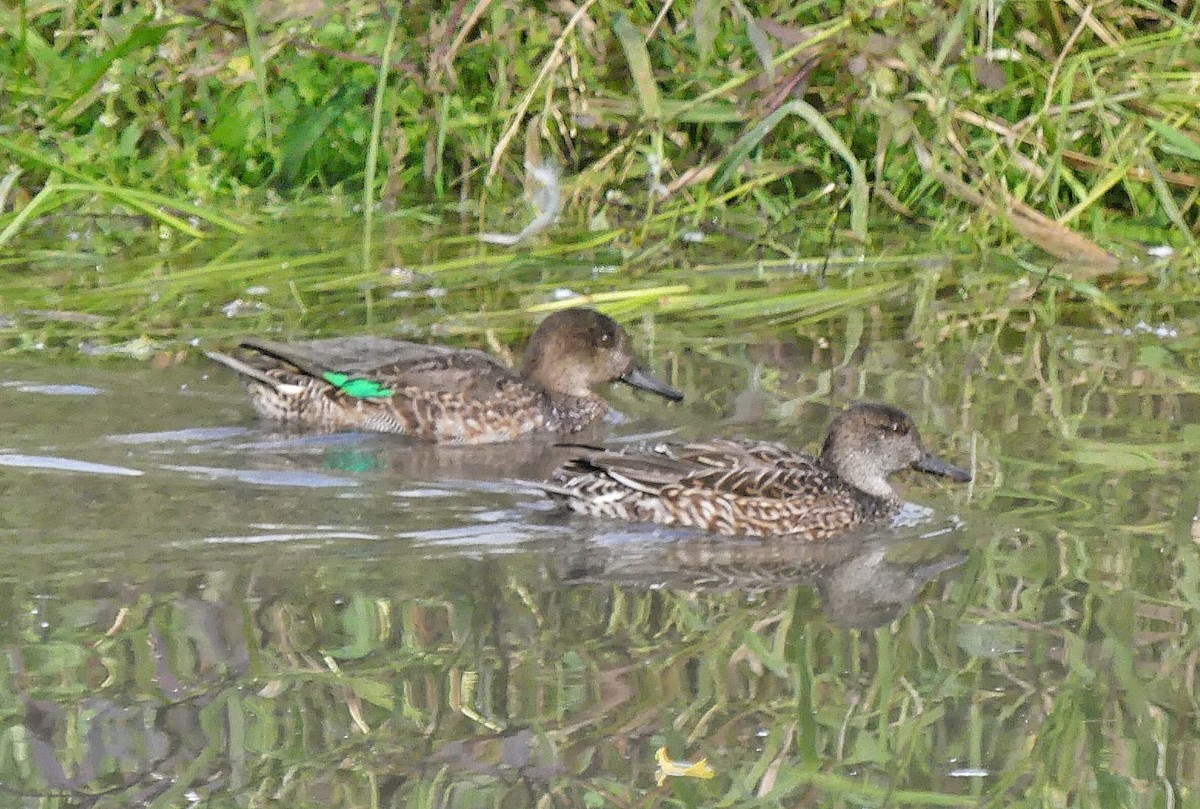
[444, 394]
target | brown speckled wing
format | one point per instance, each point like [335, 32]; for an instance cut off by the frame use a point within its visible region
[727, 453]
[776, 482]
[394, 363]
[351, 355]
[739, 468]
[469, 374]
[728, 487]
[645, 470]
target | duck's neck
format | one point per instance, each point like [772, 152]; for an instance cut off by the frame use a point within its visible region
[876, 486]
[860, 473]
[553, 378]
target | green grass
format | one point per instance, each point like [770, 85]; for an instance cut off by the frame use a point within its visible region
[1076, 135]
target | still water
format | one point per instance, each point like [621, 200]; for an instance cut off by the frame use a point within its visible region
[198, 609]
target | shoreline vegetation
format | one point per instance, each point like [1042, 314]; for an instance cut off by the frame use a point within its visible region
[191, 140]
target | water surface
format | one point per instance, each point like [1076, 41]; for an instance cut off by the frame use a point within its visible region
[198, 608]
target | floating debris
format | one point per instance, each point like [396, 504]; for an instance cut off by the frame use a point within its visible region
[407, 275]
[667, 767]
[547, 201]
[65, 317]
[654, 177]
[140, 348]
[240, 308]
[1161, 331]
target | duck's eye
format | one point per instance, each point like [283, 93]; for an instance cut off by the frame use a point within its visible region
[605, 338]
[899, 428]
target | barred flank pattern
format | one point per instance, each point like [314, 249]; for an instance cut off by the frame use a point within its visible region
[725, 487]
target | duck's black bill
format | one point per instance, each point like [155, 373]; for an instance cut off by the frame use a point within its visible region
[936, 466]
[643, 379]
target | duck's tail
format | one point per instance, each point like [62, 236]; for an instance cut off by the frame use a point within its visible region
[548, 487]
[246, 370]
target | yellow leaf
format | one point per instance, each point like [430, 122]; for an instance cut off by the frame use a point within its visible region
[685, 769]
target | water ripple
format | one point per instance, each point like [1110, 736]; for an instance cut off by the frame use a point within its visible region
[266, 477]
[65, 465]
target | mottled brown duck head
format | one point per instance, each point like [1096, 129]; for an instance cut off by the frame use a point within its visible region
[868, 442]
[575, 350]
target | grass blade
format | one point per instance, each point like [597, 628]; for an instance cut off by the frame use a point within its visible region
[29, 210]
[143, 201]
[373, 147]
[254, 45]
[87, 75]
[859, 193]
[639, 65]
[705, 18]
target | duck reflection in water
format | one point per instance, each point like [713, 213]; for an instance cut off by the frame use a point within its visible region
[863, 582]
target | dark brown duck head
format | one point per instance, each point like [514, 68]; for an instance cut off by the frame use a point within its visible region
[575, 350]
[868, 442]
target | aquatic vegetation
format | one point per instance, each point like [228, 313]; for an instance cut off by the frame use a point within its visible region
[318, 167]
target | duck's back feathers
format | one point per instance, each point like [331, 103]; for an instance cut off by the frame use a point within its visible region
[393, 363]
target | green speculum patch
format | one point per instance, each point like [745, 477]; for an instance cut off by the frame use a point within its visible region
[357, 387]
